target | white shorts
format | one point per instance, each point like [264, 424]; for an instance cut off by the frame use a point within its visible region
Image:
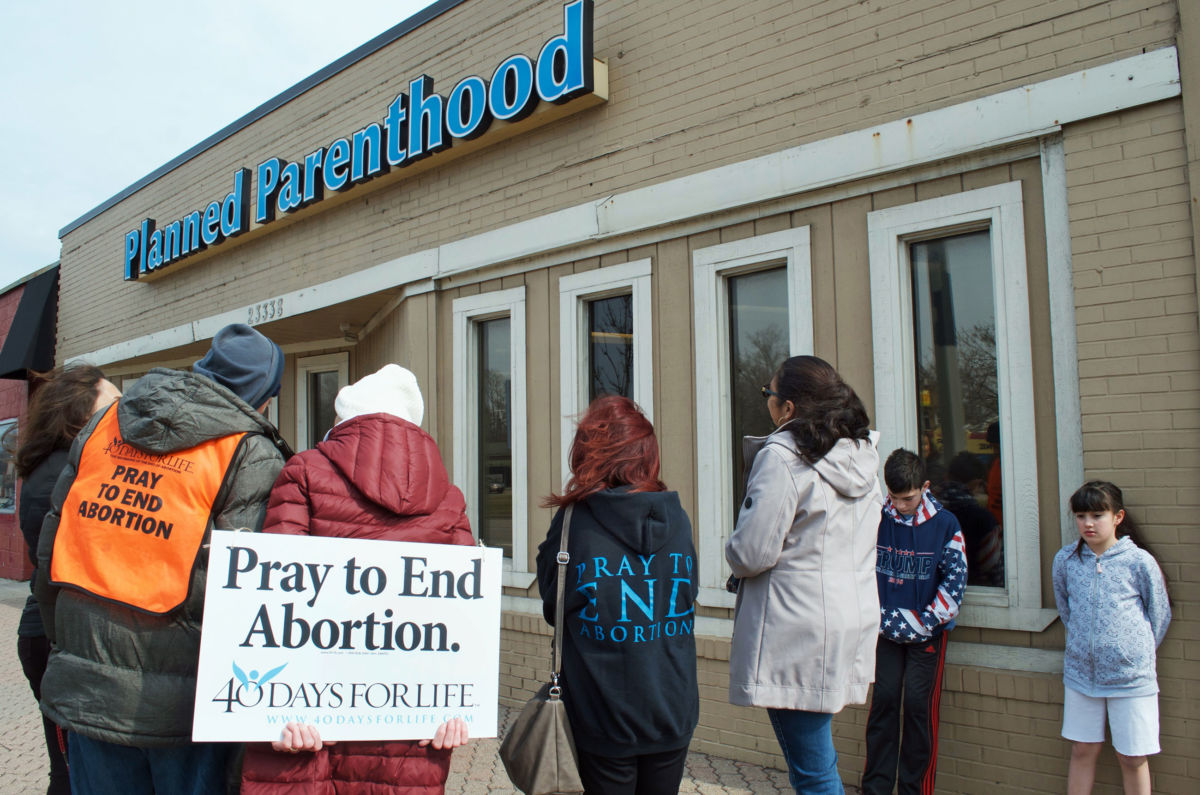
[1132, 719]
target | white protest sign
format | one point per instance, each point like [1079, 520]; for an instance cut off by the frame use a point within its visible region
[366, 640]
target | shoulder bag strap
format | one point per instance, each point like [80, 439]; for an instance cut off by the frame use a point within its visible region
[563, 558]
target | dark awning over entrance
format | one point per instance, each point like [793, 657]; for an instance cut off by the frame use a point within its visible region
[30, 341]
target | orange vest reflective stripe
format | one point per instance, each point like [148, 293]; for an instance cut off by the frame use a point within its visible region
[133, 522]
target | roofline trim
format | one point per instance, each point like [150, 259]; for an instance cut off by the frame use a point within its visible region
[279, 100]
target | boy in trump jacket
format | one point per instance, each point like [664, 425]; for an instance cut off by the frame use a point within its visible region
[921, 570]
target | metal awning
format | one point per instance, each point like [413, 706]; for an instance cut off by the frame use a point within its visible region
[30, 341]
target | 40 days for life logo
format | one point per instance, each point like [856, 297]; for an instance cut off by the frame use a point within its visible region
[250, 690]
[244, 689]
[304, 628]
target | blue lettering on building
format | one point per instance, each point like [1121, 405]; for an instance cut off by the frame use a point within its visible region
[415, 125]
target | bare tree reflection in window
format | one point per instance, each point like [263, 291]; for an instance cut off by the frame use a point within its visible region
[758, 344]
[610, 347]
[8, 471]
[495, 434]
[957, 398]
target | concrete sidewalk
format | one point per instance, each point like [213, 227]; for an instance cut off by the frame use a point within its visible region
[476, 768]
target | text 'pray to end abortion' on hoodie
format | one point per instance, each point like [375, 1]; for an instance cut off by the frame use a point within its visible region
[629, 649]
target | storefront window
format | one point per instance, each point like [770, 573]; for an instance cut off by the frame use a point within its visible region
[495, 434]
[758, 342]
[752, 308]
[954, 382]
[322, 390]
[8, 473]
[610, 347]
[607, 343]
[958, 410]
[318, 379]
[490, 437]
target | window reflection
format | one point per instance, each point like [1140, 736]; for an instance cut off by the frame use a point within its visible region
[758, 343]
[8, 471]
[495, 434]
[322, 390]
[958, 408]
[610, 347]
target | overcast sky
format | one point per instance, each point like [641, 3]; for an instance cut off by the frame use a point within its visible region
[98, 93]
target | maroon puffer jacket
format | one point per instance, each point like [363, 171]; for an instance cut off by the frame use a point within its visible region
[375, 476]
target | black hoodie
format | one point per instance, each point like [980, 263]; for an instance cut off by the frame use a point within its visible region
[629, 644]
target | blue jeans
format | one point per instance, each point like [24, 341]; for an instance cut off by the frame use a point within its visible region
[807, 742]
[100, 768]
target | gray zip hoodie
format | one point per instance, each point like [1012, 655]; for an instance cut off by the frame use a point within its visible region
[1116, 613]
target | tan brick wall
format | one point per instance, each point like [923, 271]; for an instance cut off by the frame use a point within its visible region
[1139, 370]
[999, 731]
[694, 84]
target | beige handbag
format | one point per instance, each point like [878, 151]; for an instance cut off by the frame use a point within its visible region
[539, 750]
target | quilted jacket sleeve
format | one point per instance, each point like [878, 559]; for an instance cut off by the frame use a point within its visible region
[288, 510]
[252, 472]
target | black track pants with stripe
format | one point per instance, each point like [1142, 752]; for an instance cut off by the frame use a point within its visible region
[909, 676]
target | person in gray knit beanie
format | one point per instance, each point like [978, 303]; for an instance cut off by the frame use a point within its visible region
[245, 362]
[126, 620]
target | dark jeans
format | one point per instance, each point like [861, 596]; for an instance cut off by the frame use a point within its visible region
[100, 768]
[33, 654]
[647, 774]
[908, 675]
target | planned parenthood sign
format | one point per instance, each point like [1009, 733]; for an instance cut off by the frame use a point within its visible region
[366, 640]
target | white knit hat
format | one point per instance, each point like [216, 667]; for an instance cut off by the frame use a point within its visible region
[393, 390]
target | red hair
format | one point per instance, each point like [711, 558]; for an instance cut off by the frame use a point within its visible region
[614, 446]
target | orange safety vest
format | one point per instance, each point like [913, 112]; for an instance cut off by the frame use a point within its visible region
[133, 522]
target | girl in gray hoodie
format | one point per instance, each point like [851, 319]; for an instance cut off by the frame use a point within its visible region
[1112, 598]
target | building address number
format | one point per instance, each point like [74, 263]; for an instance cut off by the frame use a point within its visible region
[264, 311]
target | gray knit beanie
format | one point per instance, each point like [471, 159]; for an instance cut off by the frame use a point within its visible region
[245, 362]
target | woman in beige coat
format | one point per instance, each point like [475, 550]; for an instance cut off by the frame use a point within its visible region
[804, 550]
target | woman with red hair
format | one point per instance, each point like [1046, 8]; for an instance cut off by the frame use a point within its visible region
[629, 648]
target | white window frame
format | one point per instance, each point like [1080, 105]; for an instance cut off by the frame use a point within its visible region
[305, 366]
[1018, 605]
[574, 291]
[711, 268]
[467, 313]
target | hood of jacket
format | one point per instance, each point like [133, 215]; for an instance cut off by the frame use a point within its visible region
[639, 520]
[170, 410]
[1123, 546]
[851, 466]
[390, 461]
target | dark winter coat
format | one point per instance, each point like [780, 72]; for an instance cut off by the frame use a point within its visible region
[377, 477]
[35, 504]
[129, 677]
[629, 643]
